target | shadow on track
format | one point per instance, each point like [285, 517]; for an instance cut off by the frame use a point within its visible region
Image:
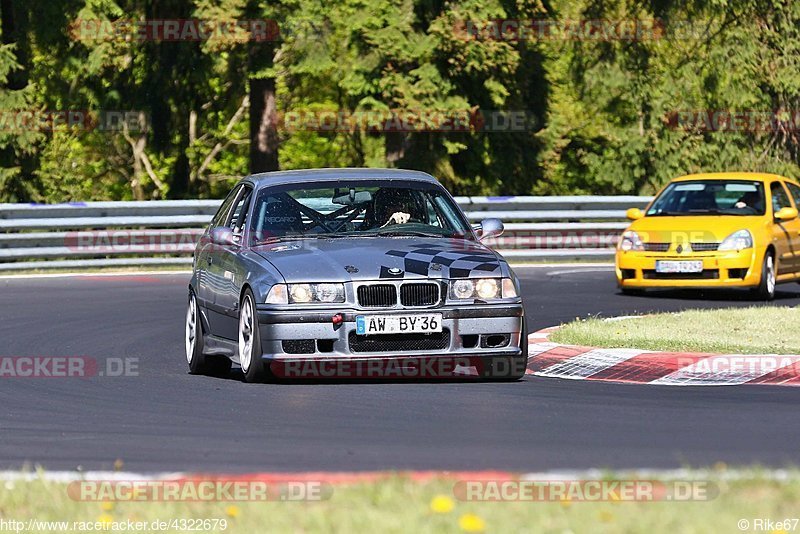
[715, 295]
[236, 375]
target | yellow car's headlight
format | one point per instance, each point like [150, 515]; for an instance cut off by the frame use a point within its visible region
[630, 241]
[740, 240]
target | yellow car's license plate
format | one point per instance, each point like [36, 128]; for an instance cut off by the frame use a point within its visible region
[399, 324]
[663, 266]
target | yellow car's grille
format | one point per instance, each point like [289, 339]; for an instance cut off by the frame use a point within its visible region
[704, 247]
[657, 247]
[707, 274]
[695, 247]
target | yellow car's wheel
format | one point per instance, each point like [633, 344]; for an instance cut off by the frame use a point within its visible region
[766, 288]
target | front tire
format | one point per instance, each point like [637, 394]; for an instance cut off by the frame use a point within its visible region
[250, 342]
[766, 288]
[200, 363]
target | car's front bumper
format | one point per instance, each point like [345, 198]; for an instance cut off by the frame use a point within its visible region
[468, 330]
[636, 269]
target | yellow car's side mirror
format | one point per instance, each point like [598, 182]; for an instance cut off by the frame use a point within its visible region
[635, 214]
[786, 214]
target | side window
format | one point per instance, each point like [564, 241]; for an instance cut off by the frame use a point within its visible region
[433, 216]
[238, 217]
[779, 197]
[222, 212]
[795, 192]
[446, 211]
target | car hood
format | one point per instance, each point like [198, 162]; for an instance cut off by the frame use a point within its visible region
[693, 228]
[377, 258]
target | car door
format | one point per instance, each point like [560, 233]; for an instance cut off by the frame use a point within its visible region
[203, 259]
[214, 281]
[228, 264]
[794, 225]
[783, 232]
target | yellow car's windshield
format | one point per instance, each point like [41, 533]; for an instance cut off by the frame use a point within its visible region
[710, 197]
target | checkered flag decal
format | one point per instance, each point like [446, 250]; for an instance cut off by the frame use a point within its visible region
[461, 263]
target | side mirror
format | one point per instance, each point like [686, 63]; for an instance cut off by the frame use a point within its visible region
[634, 214]
[223, 236]
[786, 214]
[491, 228]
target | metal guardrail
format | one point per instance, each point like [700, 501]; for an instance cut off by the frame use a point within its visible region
[108, 234]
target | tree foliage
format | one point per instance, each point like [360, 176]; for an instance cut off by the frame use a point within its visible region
[604, 114]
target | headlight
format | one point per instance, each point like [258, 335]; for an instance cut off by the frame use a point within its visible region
[330, 292]
[300, 293]
[305, 293]
[278, 295]
[483, 289]
[737, 241]
[630, 241]
[463, 289]
[488, 288]
[509, 289]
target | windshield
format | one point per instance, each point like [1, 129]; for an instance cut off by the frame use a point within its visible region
[698, 197]
[358, 208]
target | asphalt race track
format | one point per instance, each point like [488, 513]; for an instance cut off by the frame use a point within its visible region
[166, 420]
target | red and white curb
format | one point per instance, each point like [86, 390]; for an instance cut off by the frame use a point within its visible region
[334, 478]
[346, 478]
[572, 362]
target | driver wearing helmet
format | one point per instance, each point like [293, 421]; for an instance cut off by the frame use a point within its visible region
[393, 206]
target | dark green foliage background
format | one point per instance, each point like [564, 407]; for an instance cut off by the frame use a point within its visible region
[600, 107]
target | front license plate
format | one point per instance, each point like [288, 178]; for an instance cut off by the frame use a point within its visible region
[398, 324]
[679, 266]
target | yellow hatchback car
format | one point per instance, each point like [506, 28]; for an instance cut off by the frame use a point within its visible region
[714, 230]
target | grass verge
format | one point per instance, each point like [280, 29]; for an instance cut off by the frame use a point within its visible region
[399, 505]
[752, 330]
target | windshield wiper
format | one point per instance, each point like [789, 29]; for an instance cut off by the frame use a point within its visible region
[278, 239]
[400, 233]
[669, 214]
[335, 235]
